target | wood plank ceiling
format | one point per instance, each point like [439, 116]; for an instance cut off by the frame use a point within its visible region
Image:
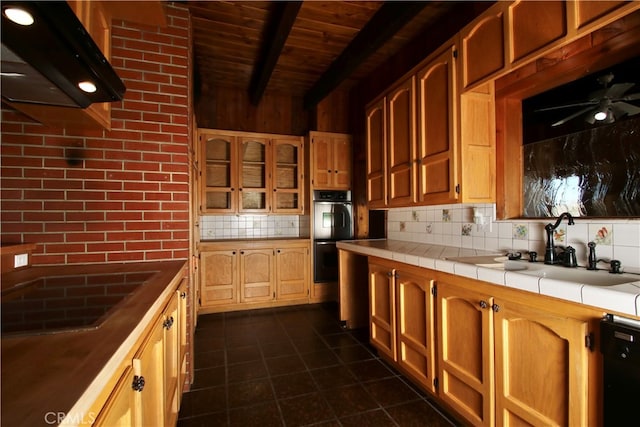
[302, 48]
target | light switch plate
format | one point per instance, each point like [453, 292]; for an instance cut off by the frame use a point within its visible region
[20, 260]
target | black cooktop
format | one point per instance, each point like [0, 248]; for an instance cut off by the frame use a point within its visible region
[66, 303]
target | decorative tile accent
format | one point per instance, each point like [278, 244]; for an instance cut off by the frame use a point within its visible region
[429, 228]
[603, 236]
[446, 215]
[414, 215]
[403, 226]
[466, 229]
[560, 234]
[520, 232]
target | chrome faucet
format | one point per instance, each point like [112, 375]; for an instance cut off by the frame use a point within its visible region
[550, 255]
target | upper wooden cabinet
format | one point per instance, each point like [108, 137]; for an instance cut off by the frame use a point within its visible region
[330, 160]
[482, 45]
[436, 142]
[377, 154]
[532, 27]
[401, 143]
[440, 147]
[511, 34]
[250, 173]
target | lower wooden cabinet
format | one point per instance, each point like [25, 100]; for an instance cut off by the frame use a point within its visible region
[499, 356]
[149, 390]
[252, 274]
[514, 359]
[401, 313]
[118, 411]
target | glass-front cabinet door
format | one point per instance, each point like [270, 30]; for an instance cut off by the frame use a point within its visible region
[254, 175]
[287, 175]
[219, 186]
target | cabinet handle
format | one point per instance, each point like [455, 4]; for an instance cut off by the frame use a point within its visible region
[389, 274]
[483, 304]
[138, 383]
[183, 295]
[168, 323]
[495, 308]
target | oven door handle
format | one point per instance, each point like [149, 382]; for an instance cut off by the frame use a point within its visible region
[325, 242]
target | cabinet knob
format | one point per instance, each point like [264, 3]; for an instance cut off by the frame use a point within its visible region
[495, 308]
[328, 170]
[138, 383]
[483, 304]
[183, 295]
[168, 323]
[335, 171]
[389, 274]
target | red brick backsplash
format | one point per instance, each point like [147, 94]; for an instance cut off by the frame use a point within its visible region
[94, 196]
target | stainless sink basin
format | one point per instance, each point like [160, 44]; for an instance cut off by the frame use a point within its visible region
[576, 275]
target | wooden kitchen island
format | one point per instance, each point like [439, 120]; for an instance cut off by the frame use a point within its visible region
[84, 375]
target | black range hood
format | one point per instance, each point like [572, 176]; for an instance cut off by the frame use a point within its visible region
[43, 63]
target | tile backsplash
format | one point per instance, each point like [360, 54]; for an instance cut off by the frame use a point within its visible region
[454, 225]
[249, 226]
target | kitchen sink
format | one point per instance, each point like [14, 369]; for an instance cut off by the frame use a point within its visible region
[555, 272]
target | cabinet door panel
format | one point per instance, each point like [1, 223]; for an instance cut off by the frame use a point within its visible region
[255, 175]
[287, 176]
[401, 154]
[465, 352]
[483, 48]
[322, 162]
[588, 11]
[534, 25]
[149, 402]
[292, 271]
[436, 135]
[256, 275]
[382, 310]
[549, 390]
[118, 411]
[376, 155]
[218, 168]
[218, 283]
[171, 360]
[342, 163]
[416, 353]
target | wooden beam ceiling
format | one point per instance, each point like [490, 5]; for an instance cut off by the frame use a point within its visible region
[389, 19]
[276, 33]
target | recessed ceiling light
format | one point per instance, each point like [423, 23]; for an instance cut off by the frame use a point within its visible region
[87, 86]
[19, 16]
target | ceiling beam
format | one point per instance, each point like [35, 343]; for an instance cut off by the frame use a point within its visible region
[276, 33]
[387, 21]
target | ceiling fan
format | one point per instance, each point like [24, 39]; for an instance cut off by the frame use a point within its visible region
[603, 105]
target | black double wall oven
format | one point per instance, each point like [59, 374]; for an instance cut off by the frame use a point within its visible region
[332, 221]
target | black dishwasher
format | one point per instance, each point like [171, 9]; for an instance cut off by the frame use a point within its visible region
[620, 349]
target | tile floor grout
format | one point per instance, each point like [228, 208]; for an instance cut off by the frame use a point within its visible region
[298, 340]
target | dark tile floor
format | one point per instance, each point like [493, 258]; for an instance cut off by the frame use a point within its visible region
[295, 366]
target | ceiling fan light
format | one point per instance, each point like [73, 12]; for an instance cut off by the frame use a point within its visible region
[600, 115]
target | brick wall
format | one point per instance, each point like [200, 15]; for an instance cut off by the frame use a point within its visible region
[108, 196]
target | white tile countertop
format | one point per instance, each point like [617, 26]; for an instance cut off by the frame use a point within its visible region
[623, 298]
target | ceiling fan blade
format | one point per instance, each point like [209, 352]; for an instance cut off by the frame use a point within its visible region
[621, 108]
[617, 90]
[558, 107]
[631, 97]
[571, 117]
